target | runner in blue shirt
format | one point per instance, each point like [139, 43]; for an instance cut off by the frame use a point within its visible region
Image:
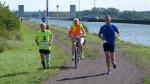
[108, 33]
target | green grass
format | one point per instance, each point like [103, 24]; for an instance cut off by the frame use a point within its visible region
[22, 65]
[140, 55]
[9, 40]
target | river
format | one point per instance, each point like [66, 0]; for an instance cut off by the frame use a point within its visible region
[134, 33]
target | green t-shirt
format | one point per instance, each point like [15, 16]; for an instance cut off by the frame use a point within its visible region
[44, 39]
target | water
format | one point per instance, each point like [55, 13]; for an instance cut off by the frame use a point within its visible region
[135, 33]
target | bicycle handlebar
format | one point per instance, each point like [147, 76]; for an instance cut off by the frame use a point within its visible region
[77, 36]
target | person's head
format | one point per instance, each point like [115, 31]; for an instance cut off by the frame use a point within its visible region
[47, 27]
[107, 19]
[76, 21]
[43, 26]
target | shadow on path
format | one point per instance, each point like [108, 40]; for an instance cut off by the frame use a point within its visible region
[82, 77]
[14, 74]
[57, 67]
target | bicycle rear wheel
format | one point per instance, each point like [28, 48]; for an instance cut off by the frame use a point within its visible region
[77, 57]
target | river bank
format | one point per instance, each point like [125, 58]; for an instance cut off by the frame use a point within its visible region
[134, 33]
[146, 22]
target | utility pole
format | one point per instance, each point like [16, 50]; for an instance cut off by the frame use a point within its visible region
[47, 12]
[94, 3]
[79, 10]
[57, 14]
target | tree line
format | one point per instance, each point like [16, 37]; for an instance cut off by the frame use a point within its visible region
[100, 12]
[115, 13]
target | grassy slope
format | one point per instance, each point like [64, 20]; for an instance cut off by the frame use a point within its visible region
[22, 65]
[139, 54]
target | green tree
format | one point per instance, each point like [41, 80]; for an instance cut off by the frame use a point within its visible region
[9, 24]
[8, 20]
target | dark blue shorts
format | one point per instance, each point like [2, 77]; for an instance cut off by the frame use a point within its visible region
[108, 47]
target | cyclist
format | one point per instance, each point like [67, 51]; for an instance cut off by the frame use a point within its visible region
[108, 33]
[77, 31]
[43, 40]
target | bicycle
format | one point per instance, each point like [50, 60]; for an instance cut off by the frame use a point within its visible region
[77, 49]
[77, 52]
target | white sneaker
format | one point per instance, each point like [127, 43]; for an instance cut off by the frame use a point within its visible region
[73, 57]
[109, 72]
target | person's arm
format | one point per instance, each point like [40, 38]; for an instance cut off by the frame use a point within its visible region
[117, 33]
[83, 30]
[84, 33]
[69, 31]
[51, 37]
[100, 34]
[36, 41]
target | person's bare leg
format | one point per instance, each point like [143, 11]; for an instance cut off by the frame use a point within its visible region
[107, 60]
[73, 50]
[42, 60]
[47, 58]
[81, 47]
[113, 59]
[82, 54]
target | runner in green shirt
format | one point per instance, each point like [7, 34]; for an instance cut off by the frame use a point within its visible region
[43, 40]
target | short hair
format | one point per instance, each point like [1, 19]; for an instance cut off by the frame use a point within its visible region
[107, 16]
[43, 24]
[76, 19]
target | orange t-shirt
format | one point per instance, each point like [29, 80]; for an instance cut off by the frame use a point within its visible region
[75, 30]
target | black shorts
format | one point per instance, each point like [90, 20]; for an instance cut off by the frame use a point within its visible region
[44, 51]
[108, 47]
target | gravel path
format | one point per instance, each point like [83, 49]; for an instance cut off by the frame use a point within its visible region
[93, 71]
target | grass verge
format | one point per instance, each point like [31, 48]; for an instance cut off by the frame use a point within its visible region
[22, 65]
[139, 54]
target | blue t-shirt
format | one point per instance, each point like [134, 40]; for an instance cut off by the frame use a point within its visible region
[108, 32]
[43, 19]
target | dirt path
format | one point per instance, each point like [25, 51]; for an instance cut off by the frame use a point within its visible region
[93, 71]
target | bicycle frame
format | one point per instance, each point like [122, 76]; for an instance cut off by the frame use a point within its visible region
[77, 52]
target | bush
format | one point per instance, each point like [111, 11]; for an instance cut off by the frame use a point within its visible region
[9, 44]
[9, 29]
[8, 20]
[11, 35]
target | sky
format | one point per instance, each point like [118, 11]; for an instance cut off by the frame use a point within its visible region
[64, 5]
